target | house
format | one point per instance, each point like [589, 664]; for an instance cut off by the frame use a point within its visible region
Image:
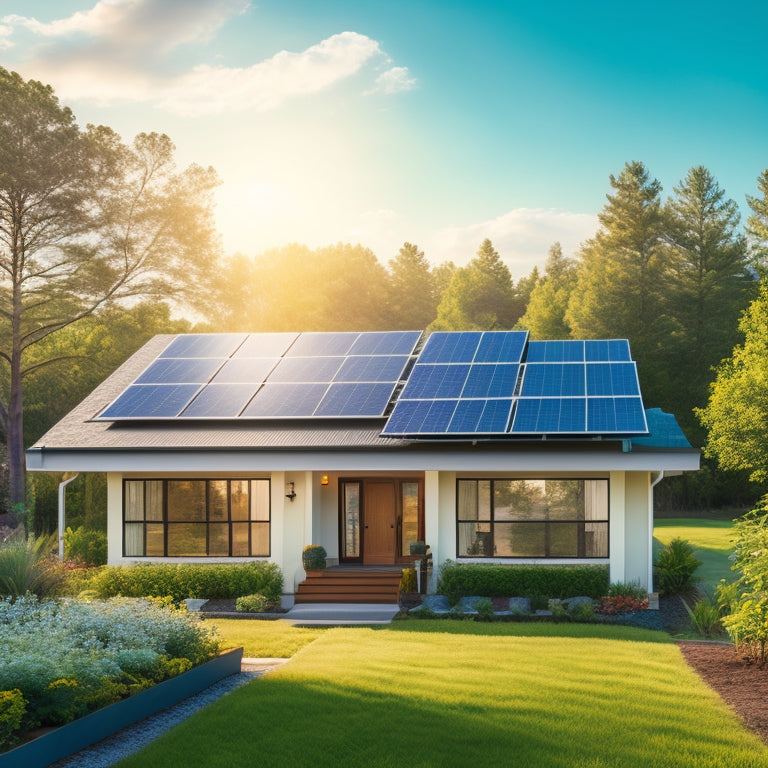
[489, 446]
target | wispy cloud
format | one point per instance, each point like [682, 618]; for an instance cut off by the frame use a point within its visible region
[119, 51]
[522, 237]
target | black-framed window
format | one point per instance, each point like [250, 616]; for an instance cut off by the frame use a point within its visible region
[550, 518]
[196, 518]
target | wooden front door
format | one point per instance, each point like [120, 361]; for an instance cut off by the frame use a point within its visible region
[379, 512]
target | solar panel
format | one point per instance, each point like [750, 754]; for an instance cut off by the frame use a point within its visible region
[220, 401]
[204, 345]
[607, 350]
[275, 401]
[612, 379]
[372, 368]
[450, 347]
[480, 416]
[385, 343]
[553, 380]
[306, 369]
[150, 401]
[181, 371]
[265, 345]
[245, 370]
[322, 344]
[555, 352]
[565, 415]
[496, 346]
[435, 381]
[491, 381]
[348, 399]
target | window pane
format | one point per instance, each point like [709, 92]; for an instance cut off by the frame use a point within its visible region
[134, 499]
[217, 500]
[565, 499]
[186, 539]
[596, 540]
[134, 539]
[351, 519]
[260, 539]
[519, 500]
[260, 500]
[475, 540]
[520, 539]
[186, 500]
[410, 507]
[155, 540]
[239, 499]
[218, 539]
[564, 539]
[474, 499]
[154, 499]
[596, 499]
[240, 546]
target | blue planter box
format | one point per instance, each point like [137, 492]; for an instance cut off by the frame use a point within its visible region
[79, 734]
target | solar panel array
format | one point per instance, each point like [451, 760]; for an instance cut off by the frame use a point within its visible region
[471, 383]
[269, 376]
[498, 383]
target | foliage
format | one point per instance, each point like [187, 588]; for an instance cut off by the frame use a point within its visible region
[408, 581]
[674, 569]
[253, 604]
[85, 546]
[412, 290]
[313, 557]
[484, 608]
[71, 657]
[705, 616]
[12, 709]
[630, 589]
[459, 580]
[757, 223]
[28, 566]
[182, 580]
[737, 412]
[584, 612]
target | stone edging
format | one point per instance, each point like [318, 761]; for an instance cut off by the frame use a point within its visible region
[81, 733]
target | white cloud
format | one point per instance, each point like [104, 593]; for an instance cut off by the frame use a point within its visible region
[522, 237]
[394, 80]
[5, 34]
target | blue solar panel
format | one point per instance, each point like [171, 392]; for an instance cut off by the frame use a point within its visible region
[372, 368]
[322, 344]
[612, 379]
[204, 345]
[265, 345]
[607, 350]
[355, 399]
[220, 401]
[151, 401]
[550, 415]
[285, 401]
[555, 352]
[553, 380]
[385, 343]
[435, 381]
[245, 370]
[501, 346]
[615, 414]
[306, 369]
[450, 347]
[481, 416]
[180, 371]
[412, 417]
[490, 381]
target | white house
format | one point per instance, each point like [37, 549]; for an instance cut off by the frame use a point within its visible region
[488, 446]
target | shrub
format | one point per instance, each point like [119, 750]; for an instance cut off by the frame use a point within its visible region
[313, 557]
[408, 582]
[253, 604]
[584, 612]
[28, 566]
[705, 616]
[12, 708]
[85, 546]
[674, 569]
[630, 589]
[459, 580]
[181, 580]
[484, 609]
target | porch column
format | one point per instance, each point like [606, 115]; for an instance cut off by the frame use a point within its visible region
[432, 520]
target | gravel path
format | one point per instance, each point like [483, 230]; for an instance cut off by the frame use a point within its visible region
[133, 738]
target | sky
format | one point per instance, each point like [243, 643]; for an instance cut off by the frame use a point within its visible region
[434, 122]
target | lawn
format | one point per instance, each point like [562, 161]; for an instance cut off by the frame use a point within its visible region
[452, 693]
[263, 639]
[712, 539]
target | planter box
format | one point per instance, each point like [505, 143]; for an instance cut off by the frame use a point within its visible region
[81, 733]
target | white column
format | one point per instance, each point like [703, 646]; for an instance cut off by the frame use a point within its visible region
[114, 518]
[617, 527]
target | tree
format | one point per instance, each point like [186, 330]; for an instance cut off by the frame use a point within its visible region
[736, 414]
[480, 296]
[412, 290]
[85, 220]
[757, 223]
[709, 286]
[545, 314]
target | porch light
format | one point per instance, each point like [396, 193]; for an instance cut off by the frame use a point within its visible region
[324, 480]
[291, 488]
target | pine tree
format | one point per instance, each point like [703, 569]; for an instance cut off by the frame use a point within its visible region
[412, 290]
[757, 223]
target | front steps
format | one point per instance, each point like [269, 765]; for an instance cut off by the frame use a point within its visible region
[350, 585]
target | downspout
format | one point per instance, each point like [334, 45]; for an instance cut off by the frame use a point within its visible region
[654, 483]
[62, 486]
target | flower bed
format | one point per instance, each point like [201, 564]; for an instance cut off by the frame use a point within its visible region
[62, 660]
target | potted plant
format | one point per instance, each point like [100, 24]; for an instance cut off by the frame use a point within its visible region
[313, 557]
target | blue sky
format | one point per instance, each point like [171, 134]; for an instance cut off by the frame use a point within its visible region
[439, 123]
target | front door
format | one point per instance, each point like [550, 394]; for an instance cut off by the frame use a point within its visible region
[379, 516]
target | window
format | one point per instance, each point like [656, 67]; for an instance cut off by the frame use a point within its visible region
[532, 518]
[196, 518]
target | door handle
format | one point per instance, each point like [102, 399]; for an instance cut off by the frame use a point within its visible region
[392, 526]
[366, 527]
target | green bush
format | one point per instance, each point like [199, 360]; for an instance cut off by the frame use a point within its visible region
[313, 557]
[253, 604]
[705, 616]
[181, 580]
[29, 566]
[408, 582]
[674, 569]
[630, 589]
[459, 580]
[484, 609]
[12, 708]
[85, 546]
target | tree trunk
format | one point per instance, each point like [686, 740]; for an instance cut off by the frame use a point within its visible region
[16, 460]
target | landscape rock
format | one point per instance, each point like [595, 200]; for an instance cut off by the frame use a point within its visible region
[519, 605]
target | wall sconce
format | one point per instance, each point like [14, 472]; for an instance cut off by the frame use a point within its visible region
[324, 480]
[291, 488]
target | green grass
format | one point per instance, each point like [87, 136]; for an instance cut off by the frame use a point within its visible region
[264, 639]
[712, 539]
[446, 693]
